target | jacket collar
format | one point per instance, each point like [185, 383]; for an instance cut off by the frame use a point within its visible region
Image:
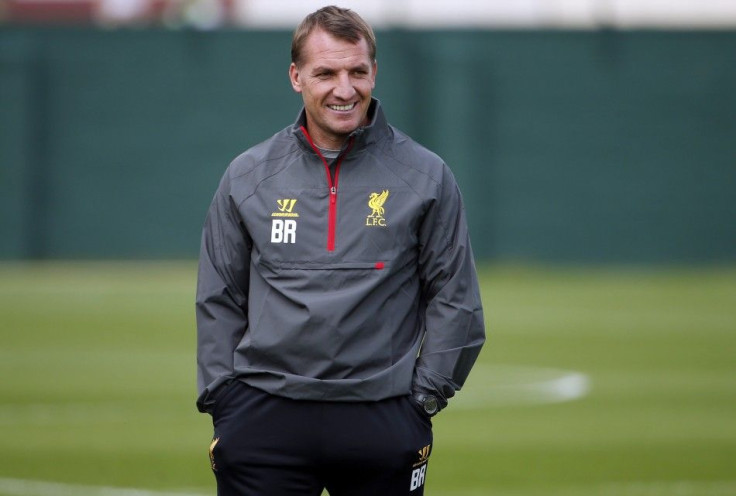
[366, 135]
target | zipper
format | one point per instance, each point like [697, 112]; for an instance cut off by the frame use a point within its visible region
[332, 215]
[332, 185]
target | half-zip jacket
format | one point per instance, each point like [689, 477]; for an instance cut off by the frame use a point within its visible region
[331, 184]
[358, 288]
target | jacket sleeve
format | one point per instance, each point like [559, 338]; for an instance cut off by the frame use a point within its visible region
[222, 289]
[455, 330]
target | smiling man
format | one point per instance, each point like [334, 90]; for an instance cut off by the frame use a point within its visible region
[335, 75]
[337, 302]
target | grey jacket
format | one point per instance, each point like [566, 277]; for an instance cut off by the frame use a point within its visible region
[356, 284]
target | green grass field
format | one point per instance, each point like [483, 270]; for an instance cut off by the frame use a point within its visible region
[98, 384]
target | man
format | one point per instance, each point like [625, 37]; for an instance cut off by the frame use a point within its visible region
[337, 302]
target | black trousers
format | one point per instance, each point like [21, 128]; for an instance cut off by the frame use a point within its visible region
[265, 445]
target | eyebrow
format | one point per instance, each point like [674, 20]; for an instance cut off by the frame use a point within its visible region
[323, 68]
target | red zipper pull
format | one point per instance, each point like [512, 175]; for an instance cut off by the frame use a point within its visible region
[333, 194]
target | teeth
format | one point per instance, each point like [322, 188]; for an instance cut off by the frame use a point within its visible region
[342, 107]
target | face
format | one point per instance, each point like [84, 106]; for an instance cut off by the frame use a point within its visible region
[336, 78]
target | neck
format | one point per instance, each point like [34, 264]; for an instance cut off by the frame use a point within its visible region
[326, 142]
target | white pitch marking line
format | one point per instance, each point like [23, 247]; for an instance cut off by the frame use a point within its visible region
[488, 386]
[23, 487]
[504, 385]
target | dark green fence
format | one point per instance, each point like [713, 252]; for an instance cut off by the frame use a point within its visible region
[569, 146]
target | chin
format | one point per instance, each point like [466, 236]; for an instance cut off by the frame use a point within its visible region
[346, 128]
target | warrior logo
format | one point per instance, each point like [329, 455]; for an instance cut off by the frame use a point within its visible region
[423, 455]
[286, 207]
[375, 202]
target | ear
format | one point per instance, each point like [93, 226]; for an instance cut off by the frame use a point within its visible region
[375, 71]
[295, 78]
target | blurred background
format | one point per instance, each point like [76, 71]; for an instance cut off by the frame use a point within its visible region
[579, 130]
[595, 145]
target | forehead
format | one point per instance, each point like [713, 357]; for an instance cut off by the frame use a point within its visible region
[321, 48]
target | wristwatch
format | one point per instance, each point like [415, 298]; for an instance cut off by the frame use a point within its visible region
[428, 402]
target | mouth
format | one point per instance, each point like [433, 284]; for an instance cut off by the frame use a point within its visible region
[342, 108]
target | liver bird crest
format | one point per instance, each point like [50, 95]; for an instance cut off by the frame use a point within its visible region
[376, 202]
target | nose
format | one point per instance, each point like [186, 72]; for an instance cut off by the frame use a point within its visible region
[344, 88]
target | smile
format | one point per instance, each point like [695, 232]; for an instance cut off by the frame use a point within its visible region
[342, 108]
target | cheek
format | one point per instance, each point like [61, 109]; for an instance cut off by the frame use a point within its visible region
[316, 91]
[364, 85]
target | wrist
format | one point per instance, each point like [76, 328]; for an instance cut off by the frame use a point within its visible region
[429, 403]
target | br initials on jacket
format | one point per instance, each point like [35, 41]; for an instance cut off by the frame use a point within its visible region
[284, 230]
